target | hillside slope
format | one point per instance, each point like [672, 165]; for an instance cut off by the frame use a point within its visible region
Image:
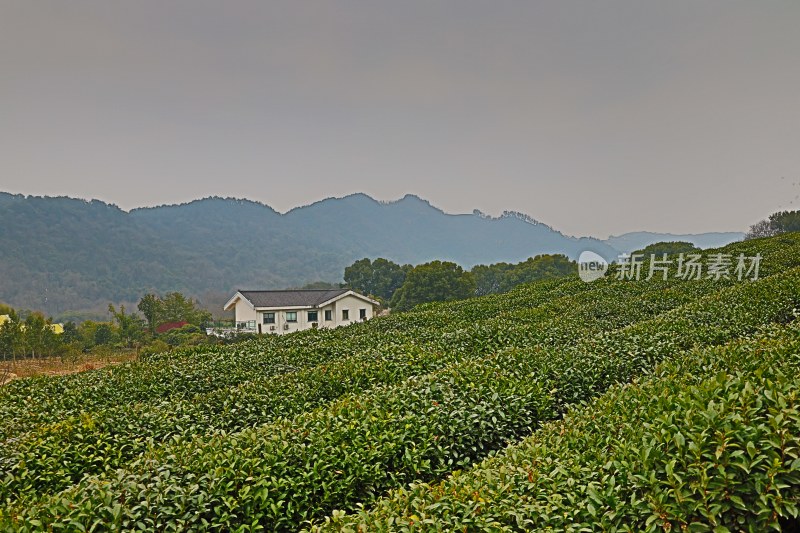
[63, 254]
[283, 432]
[636, 240]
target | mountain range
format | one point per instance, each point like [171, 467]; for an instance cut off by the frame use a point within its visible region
[70, 257]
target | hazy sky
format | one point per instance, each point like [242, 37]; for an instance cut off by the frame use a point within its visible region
[595, 117]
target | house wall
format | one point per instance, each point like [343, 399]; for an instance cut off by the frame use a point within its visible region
[352, 304]
[245, 313]
[325, 323]
[284, 326]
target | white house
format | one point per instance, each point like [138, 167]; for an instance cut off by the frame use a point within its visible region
[295, 310]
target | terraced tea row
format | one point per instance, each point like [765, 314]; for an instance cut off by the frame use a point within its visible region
[348, 453]
[168, 376]
[709, 442]
[54, 456]
[181, 375]
[27, 403]
[503, 363]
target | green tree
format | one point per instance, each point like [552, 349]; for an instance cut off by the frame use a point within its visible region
[33, 334]
[10, 336]
[379, 278]
[129, 326]
[760, 230]
[490, 279]
[71, 333]
[38, 337]
[103, 334]
[777, 223]
[52, 344]
[437, 281]
[71, 353]
[358, 276]
[150, 307]
[540, 267]
[87, 330]
[785, 221]
[175, 307]
[502, 277]
[187, 335]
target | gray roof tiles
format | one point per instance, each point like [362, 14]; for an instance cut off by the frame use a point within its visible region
[292, 298]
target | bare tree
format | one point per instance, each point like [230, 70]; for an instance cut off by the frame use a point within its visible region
[764, 228]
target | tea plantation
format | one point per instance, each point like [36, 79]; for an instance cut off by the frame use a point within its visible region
[616, 405]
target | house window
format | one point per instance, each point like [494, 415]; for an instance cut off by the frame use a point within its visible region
[345, 314]
[362, 314]
[269, 318]
[328, 315]
[312, 316]
[291, 316]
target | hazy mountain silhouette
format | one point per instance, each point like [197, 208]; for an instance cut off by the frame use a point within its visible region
[61, 254]
[630, 242]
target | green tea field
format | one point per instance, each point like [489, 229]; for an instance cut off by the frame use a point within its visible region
[616, 405]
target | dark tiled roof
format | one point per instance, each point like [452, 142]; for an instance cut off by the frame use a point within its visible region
[295, 298]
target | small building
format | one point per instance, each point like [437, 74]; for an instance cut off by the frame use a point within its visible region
[296, 310]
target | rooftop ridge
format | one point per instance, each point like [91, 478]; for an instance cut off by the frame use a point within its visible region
[292, 290]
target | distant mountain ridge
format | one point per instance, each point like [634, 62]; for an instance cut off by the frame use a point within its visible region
[63, 254]
[630, 242]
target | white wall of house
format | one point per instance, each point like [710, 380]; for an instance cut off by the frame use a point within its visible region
[283, 322]
[244, 312]
[252, 318]
[354, 306]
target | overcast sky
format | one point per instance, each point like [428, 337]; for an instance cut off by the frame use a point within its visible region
[596, 117]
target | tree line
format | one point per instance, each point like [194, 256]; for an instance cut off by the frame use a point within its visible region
[29, 334]
[401, 287]
[775, 224]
